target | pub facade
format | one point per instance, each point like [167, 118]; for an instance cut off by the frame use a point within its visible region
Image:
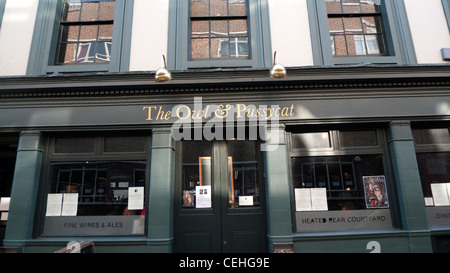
[239, 142]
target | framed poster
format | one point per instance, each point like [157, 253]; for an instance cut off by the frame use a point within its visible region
[375, 192]
[188, 199]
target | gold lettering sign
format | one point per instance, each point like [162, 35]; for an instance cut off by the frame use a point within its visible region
[221, 111]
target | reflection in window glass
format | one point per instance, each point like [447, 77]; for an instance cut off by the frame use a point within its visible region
[355, 27]
[86, 30]
[431, 136]
[358, 138]
[311, 140]
[244, 188]
[219, 29]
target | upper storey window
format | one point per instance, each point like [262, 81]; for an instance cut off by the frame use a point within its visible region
[355, 27]
[81, 36]
[218, 34]
[347, 32]
[219, 29]
[86, 32]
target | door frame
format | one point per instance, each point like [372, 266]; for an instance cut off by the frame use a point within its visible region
[215, 222]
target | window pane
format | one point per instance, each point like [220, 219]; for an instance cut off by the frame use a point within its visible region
[200, 29]
[219, 28]
[107, 10]
[371, 24]
[340, 45]
[237, 7]
[196, 170]
[358, 138]
[353, 25]
[89, 11]
[220, 48]
[431, 136]
[200, 48]
[199, 7]
[311, 140]
[124, 144]
[86, 52]
[238, 27]
[89, 30]
[74, 145]
[244, 187]
[345, 179]
[218, 8]
[433, 168]
[72, 11]
[355, 44]
[369, 6]
[334, 6]
[336, 25]
[88, 33]
[351, 6]
[105, 32]
[98, 192]
[242, 48]
[103, 52]
[70, 33]
[375, 44]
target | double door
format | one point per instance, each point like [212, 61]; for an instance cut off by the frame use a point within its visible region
[219, 197]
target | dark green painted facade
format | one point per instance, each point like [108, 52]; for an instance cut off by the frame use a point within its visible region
[393, 97]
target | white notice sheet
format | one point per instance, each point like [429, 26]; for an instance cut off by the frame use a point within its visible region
[135, 198]
[440, 195]
[303, 200]
[70, 204]
[319, 199]
[4, 203]
[203, 196]
[54, 204]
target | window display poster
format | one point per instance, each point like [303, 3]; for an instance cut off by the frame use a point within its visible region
[188, 199]
[70, 204]
[375, 192]
[203, 196]
[54, 204]
[440, 194]
[135, 198]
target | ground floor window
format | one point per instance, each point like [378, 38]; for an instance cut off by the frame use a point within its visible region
[103, 194]
[339, 179]
[346, 182]
[433, 160]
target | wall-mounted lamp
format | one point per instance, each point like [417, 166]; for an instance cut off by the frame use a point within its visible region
[278, 71]
[162, 74]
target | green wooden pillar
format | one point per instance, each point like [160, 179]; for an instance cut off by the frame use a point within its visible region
[160, 216]
[279, 216]
[407, 177]
[24, 190]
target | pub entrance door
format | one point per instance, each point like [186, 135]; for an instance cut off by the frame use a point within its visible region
[219, 198]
